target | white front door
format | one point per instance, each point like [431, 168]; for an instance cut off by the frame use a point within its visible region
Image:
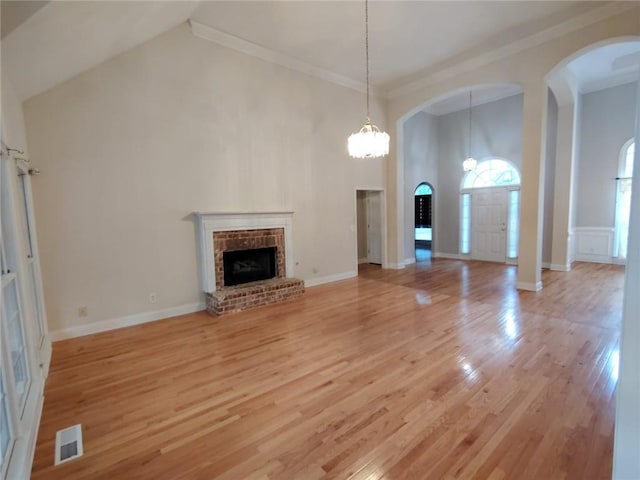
[489, 224]
[374, 227]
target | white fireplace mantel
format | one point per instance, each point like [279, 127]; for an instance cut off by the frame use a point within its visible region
[210, 222]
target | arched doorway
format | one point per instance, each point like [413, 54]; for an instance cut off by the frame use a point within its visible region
[434, 140]
[423, 221]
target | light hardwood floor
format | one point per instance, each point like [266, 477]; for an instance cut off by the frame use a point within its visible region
[438, 371]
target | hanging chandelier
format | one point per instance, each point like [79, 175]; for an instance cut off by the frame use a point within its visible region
[469, 162]
[369, 142]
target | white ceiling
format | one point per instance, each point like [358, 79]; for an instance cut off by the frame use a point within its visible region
[606, 66]
[405, 36]
[63, 39]
[15, 13]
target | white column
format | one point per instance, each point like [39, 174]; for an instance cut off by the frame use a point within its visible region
[395, 197]
[626, 449]
[532, 187]
[566, 154]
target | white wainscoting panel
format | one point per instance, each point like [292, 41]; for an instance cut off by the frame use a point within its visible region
[593, 244]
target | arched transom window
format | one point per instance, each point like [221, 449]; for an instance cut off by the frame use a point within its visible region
[423, 189]
[492, 173]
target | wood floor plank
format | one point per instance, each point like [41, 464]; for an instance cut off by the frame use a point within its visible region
[442, 370]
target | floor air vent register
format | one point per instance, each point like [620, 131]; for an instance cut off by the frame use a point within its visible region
[68, 444]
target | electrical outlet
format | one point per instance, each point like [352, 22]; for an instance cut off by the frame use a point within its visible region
[153, 298]
[83, 312]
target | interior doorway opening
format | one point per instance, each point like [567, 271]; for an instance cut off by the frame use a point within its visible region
[370, 226]
[423, 221]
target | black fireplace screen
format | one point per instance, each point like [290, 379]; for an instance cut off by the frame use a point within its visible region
[243, 266]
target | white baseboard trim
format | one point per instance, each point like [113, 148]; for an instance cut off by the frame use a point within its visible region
[312, 282]
[546, 265]
[128, 321]
[594, 258]
[396, 266]
[450, 256]
[558, 267]
[530, 287]
[409, 261]
[363, 260]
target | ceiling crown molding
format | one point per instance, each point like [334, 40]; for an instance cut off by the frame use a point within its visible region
[235, 43]
[509, 49]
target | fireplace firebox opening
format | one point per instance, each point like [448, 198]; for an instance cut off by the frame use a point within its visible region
[244, 266]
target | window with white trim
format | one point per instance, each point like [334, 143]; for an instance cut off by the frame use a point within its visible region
[34, 295]
[5, 428]
[623, 200]
[513, 222]
[15, 363]
[18, 342]
[465, 224]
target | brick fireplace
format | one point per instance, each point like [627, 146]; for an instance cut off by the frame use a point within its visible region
[242, 238]
[238, 240]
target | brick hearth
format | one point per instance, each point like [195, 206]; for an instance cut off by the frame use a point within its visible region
[255, 294]
[228, 299]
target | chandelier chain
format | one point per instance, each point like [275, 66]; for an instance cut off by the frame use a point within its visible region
[369, 141]
[366, 47]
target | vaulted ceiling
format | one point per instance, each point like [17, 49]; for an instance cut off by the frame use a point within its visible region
[57, 40]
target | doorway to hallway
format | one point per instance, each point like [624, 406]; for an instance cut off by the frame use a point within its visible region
[370, 226]
[423, 221]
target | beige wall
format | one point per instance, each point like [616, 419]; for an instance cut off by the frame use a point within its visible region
[606, 122]
[13, 130]
[421, 165]
[130, 148]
